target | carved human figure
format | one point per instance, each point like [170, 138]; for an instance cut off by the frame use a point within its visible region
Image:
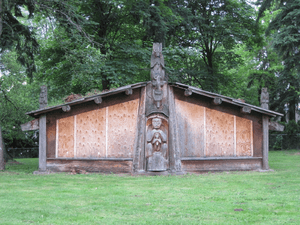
[156, 146]
[43, 97]
[264, 98]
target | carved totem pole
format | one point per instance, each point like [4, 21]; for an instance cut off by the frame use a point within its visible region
[264, 98]
[157, 113]
[43, 97]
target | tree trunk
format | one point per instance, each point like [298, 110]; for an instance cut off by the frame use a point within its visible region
[2, 165]
[292, 110]
[0, 17]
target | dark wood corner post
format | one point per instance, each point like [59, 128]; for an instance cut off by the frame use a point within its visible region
[139, 146]
[42, 130]
[175, 160]
[264, 100]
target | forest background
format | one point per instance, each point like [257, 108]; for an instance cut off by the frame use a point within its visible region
[230, 47]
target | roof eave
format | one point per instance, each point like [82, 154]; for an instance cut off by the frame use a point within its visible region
[38, 112]
[226, 99]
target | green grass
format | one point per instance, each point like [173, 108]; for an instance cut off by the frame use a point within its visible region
[264, 197]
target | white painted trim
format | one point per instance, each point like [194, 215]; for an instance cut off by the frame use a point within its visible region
[75, 132]
[234, 136]
[106, 131]
[56, 146]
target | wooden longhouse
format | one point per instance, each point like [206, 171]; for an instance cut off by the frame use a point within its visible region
[153, 127]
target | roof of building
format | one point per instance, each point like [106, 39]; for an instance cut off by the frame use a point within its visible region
[194, 90]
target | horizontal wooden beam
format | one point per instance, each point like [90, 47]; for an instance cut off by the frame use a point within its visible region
[93, 159]
[31, 125]
[273, 125]
[218, 158]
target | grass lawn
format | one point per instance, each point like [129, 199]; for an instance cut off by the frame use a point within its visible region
[212, 198]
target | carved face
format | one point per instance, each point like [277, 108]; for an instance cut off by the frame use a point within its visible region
[156, 123]
[265, 89]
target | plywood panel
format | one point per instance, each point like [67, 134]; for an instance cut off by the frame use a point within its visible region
[244, 136]
[191, 121]
[219, 133]
[66, 137]
[91, 134]
[121, 128]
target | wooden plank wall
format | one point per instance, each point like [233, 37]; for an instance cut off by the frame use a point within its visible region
[107, 132]
[206, 132]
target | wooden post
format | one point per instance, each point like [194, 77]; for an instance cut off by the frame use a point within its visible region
[264, 100]
[265, 123]
[42, 130]
[42, 143]
[2, 165]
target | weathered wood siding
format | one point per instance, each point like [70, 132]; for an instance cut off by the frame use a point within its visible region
[91, 134]
[92, 131]
[195, 166]
[220, 134]
[244, 137]
[122, 119]
[207, 130]
[100, 166]
[191, 123]
[65, 137]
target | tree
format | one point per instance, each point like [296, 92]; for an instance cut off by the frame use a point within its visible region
[284, 28]
[211, 30]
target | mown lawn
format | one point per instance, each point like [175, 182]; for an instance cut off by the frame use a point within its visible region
[212, 198]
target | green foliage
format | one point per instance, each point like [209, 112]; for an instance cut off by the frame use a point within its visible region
[284, 30]
[16, 98]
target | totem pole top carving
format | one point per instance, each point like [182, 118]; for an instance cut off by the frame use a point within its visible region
[157, 73]
[264, 98]
[43, 97]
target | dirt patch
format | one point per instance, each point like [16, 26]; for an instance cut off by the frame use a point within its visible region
[297, 153]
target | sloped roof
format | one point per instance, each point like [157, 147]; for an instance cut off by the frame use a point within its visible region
[225, 99]
[36, 113]
[194, 90]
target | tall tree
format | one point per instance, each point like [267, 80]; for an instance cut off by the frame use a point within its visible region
[212, 29]
[284, 28]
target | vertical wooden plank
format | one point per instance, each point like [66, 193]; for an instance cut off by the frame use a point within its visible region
[191, 125]
[122, 119]
[42, 143]
[265, 142]
[139, 147]
[66, 137]
[91, 134]
[174, 142]
[219, 134]
[243, 136]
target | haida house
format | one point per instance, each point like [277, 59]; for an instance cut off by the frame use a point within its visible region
[153, 127]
